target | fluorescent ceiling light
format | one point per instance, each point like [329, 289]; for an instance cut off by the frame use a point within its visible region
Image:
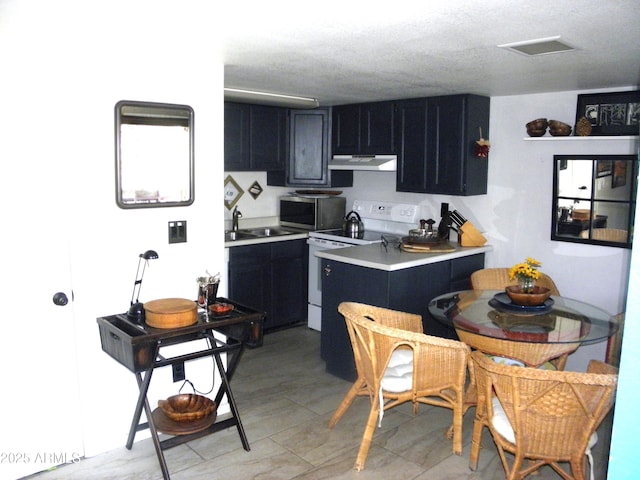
[265, 98]
[539, 46]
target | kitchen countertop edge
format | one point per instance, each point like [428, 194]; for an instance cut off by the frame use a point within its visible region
[374, 256]
[269, 239]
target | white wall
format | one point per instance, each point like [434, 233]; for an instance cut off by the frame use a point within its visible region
[77, 59]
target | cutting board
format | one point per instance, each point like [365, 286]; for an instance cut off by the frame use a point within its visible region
[427, 247]
[171, 313]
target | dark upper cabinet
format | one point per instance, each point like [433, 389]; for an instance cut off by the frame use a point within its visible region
[411, 124]
[436, 139]
[345, 129]
[255, 137]
[236, 136]
[364, 129]
[308, 156]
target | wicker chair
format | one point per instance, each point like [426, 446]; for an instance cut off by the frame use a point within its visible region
[432, 372]
[606, 234]
[498, 279]
[614, 343]
[545, 416]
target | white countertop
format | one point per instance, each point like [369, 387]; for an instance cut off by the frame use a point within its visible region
[271, 239]
[375, 256]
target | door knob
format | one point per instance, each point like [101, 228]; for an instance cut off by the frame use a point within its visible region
[326, 270]
[60, 299]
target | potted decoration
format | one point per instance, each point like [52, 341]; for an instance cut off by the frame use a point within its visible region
[527, 292]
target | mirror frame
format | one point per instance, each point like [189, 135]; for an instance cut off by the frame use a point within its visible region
[151, 113]
[597, 172]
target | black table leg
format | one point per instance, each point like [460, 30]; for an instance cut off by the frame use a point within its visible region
[226, 388]
[143, 387]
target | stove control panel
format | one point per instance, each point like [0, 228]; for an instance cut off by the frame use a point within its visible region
[387, 211]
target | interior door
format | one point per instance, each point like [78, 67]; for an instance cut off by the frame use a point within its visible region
[40, 400]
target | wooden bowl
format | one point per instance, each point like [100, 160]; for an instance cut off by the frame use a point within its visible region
[559, 129]
[536, 133]
[538, 124]
[187, 407]
[533, 299]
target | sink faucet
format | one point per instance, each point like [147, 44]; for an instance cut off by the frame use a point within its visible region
[236, 215]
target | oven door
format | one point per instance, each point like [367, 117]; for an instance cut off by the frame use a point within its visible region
[314, 312]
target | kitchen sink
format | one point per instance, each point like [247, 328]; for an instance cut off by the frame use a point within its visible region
[238, 235]
[268, 232]
[249, 233]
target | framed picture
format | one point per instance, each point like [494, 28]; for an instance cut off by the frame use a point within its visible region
[619, 177]
[232, 192]
[604, 168]
[612, 113]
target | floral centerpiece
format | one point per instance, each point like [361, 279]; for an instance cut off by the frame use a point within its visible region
[526, 273]
[527, 293]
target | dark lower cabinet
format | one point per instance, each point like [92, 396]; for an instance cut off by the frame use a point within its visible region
[407, 290]
[271, 277]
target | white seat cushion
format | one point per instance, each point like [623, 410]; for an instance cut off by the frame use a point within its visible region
[398, 377]
[502, 425]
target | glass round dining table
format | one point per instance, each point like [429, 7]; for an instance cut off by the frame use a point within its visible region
[488, 321]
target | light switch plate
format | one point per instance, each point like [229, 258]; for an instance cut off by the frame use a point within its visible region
[178, 231]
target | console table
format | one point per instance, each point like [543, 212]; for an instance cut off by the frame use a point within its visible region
[137, 347]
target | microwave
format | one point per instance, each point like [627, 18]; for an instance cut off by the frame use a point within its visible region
[322, 212]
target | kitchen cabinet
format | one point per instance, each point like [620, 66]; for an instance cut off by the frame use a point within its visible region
[363, 129]
[255, 137]
[308, 156]
[407, 290]
[436, 145]
[271, 277]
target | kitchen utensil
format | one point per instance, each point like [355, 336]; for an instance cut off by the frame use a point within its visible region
[208, 289]
[433, 247]
[424, 232]
[353, 226]
[457, 218]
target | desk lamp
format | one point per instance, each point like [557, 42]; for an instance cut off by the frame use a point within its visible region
[136, 310]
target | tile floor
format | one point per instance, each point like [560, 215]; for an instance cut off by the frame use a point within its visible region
[285, 399]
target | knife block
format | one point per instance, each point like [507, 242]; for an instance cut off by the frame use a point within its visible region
[469, 236]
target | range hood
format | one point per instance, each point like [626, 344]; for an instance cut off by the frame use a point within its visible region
[380, 163]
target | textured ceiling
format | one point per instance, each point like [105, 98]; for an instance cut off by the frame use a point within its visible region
[352, 51]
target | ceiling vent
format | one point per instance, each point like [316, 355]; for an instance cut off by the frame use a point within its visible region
[539, 46]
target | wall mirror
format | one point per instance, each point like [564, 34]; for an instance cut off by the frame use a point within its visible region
[594, 199]
[154, 154]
